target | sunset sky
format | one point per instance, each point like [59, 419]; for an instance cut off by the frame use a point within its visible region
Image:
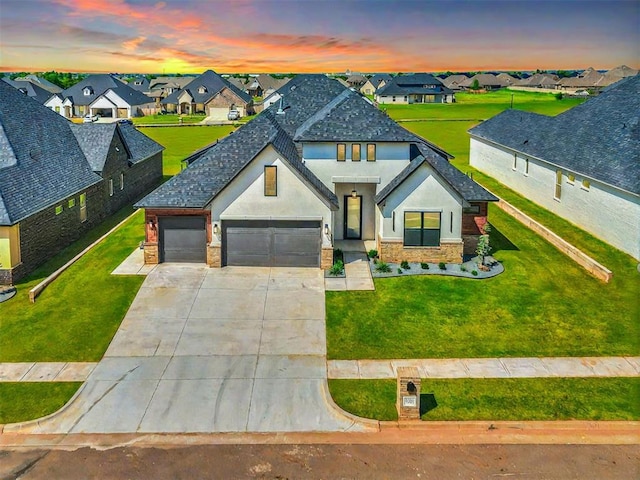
[190, 36]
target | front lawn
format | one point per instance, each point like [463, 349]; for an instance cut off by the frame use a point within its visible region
[498, 398]
[544, 304]
[28, 400]
[169, 118]
[74, 318]
[180, 142]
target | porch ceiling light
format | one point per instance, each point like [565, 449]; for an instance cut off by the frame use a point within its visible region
[354, 193]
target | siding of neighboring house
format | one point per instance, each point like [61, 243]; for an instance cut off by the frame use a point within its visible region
[607, 212]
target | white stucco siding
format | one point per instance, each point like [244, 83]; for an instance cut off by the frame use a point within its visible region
[391, 159]
[367, 192]
[54, 102]
[244, 198]
[604, 211]
[423, 191]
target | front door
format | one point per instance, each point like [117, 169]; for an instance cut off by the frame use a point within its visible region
[352, 217]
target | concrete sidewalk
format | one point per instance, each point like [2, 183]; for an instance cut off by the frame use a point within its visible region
[46, 371]
[489, 367]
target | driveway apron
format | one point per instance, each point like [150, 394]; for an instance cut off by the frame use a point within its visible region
[235, 349]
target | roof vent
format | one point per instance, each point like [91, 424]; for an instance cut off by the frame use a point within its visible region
[35, 153]
[280, 109]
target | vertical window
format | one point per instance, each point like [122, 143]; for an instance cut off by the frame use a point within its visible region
[558, 190]
[526, 166]
[586, 184]
[422, 229]
[342, 152]
[111, 187]
[571, 178]
[393, 221]
[270, 181]
[451, 222]
[72, 202]
[58, 209]
[371, 152]
[121, 181]
[355, 152]
[515, 161]
[83, 207]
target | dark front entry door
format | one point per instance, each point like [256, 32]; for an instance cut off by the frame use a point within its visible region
[352, 217]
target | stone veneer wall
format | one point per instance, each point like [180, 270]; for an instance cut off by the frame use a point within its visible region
[214, 256]
[395, 251]
[326, 259]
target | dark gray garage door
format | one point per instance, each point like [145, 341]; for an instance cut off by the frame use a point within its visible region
[271, 243]
[183, 239]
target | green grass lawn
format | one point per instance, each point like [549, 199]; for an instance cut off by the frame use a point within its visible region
[170, 118]
[76, 316]
[28, 400]
[498, 399]
[180, 142]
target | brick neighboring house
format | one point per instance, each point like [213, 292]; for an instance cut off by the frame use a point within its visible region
[320, 164]
[58, 180]
[209, 94]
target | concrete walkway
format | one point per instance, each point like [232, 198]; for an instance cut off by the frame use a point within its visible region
[212, 350]
[46, 371]
[356, 267]
[490, 367]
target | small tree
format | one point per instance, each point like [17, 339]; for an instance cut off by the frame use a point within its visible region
[475, 85]
[483, 247]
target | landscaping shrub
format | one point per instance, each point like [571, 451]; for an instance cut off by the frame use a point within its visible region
[383, 267]
[404, 264]
[442, 266]
[463, 268]
[337, 268]
[338, 255]
[372, 253]
[399, 270]
[424, 266]
[474, 273]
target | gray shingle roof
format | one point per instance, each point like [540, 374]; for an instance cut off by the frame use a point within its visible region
[41, 162]
[216, 166]
[99, 84]
[32, 90]
[213, 84]
[95, 140]
[469, 190]
[599, 139]
[417, 83]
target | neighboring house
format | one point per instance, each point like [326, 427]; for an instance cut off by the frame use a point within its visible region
[32, 90]
[238, 82]
[616, 74]
[379, 80]
[161, 87]
[582, 165]
[291, 85]
[506, 79]
[485, 81]
[58, 180]
[538, 80]
[356, 80]
[590, 78]
[40, 82]
[257, 86]
[209, 94]
[454, 82]
[415, 88]
[103, 95]
[140, 84]
[324, 165]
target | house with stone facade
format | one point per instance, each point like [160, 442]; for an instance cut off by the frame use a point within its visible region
[583, 165]
[323, 164]
[59, 180]
[210, 94]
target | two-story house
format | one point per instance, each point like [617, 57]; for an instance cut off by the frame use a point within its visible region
[322, 164]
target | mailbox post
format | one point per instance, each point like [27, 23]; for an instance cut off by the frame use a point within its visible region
[408, 393]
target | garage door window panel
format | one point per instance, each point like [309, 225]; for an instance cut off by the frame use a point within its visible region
[270, 181]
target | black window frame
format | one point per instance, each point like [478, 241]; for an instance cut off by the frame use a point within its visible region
[425, 233]
[356, 147]
[371, 146]
[344, 153]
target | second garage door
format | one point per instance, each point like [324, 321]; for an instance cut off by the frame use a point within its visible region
[271, 243]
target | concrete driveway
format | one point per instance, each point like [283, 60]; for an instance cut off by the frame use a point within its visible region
[213, 350]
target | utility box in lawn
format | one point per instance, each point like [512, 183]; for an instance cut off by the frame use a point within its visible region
[408, 393]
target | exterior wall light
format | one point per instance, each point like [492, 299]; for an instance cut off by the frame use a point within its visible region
[215, 229]
[326, 229]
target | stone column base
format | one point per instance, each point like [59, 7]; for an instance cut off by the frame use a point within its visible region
[214, 256]
[151, 256]
[326, 259]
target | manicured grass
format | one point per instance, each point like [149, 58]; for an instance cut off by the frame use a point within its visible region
[498, 399]
[171, 118]
[482, 106]
[76, 316]
[180, 142]
[542, 305]
[29, 400]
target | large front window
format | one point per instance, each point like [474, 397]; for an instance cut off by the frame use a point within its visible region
[422, 229]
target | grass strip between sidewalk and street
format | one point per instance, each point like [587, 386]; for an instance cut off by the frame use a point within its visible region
[498, 398]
